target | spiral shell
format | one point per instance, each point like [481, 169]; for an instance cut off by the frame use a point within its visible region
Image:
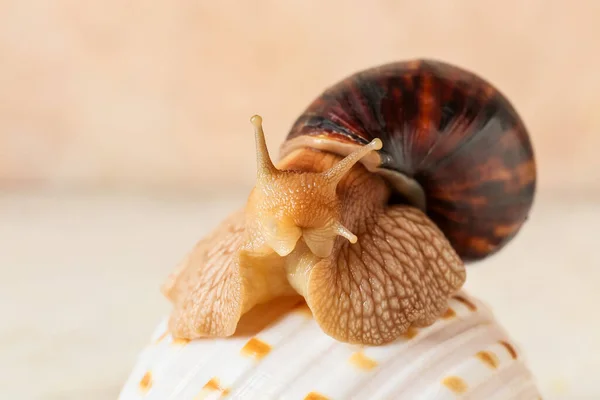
[279, 352]
[452, 145]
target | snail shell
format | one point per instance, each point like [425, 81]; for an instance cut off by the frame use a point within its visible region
[453, 145]
[280, 352]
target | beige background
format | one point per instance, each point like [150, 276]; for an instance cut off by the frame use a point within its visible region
[125, 137]
[160, 93]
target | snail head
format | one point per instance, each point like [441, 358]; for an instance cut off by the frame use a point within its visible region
[287, 205]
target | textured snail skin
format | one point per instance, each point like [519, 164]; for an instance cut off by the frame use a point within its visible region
[450, 131]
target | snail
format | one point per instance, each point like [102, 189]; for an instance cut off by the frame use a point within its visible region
[387, 185]
[342, 276]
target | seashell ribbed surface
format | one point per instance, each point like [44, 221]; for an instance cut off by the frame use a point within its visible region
[279, 352]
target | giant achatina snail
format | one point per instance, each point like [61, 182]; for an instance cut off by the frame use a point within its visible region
[446, 175]
[342, 276]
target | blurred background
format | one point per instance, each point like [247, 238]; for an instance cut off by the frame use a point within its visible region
[125, 137]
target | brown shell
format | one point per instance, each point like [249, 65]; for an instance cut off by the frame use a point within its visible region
[450, 131]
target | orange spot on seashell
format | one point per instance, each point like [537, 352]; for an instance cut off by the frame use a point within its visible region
[488, 358]
[455, 384]
[146, 382]
[256, 348]
[450, 313]
[466, 302]
[180, 341]
[212, 385]
[315, 396]
[360, 360]
[410, 333]
[511, 350]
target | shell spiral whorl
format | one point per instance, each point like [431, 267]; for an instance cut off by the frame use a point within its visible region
[453, 133]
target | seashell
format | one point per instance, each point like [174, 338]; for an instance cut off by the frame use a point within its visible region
[279, 352]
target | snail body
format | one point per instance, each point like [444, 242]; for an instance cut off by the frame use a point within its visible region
[387, 184]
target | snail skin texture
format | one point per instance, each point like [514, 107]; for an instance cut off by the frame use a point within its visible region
[388, 183]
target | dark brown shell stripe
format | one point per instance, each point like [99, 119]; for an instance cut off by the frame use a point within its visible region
[448, 129]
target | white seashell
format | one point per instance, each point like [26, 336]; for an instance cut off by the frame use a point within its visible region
[279, 352]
